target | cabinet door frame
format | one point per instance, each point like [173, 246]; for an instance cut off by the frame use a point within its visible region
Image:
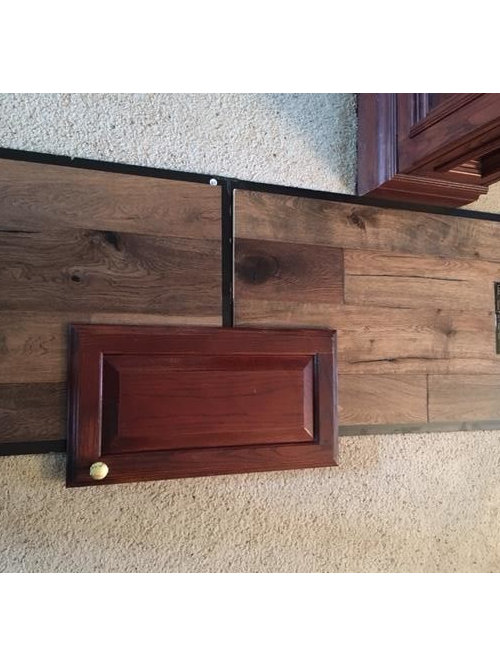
[90, 344]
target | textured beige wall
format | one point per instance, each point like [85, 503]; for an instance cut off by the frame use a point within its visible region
[396, 503]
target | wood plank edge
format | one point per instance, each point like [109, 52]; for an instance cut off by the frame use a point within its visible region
[415, 428]
[59, 446]
[28, 448]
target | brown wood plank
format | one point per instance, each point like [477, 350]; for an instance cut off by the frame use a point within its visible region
[412, 281]
[368, 263]
[298, 272]
[387, 399]
[275, 217]
[103, 271]
[417, 292]
[43, 196]
[464, 397]
[33, 345]
[32, 412]
[377, 340]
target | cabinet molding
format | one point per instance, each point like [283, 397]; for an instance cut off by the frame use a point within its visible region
[434, 148]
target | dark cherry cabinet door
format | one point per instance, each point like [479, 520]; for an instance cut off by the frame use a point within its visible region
[156, 402]
[436, 148]
[440, 132]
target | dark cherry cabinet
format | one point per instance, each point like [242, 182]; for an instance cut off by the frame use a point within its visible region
[436, 148]
[157, 402]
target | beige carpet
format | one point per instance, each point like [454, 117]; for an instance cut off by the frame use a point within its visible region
[396, 503]
[304, 140]
[488, 203]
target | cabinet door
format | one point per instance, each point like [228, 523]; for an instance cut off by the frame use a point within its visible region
[156, 402]
[433, 148]
[438, 132]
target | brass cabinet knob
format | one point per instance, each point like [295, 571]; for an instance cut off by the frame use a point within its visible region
[99, 471]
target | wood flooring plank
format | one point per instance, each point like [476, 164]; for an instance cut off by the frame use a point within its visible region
[378, 340]
[382, 399]
[32, 412]
[297, 272]
[464, 397]
[417, 292]
[276, 217]
[105, 271]
[33, 345]
[395, 280]
[43, 196]
[362, 262]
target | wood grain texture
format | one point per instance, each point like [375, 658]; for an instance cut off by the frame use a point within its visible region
[382, 399]
[103, 271]
[31, 412]
[464, 397]
[417, 292]
[379, 340]
[464, 127]
[274, 217]
[418, 301]
[34, 345]
[78, 245]
[155, 375]
[382, 126]
[300, 272]
[409, 281]
[429, 190]
[43, 196]
[171, 402]
[367, 263]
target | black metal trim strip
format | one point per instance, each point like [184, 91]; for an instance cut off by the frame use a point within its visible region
[155, 172]
[99, 165]
[408, 428]
[59, 446]
[26, 448]
[362, 201]
[227, 251]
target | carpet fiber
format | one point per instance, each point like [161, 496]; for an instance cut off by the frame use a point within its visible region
[396, 503]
